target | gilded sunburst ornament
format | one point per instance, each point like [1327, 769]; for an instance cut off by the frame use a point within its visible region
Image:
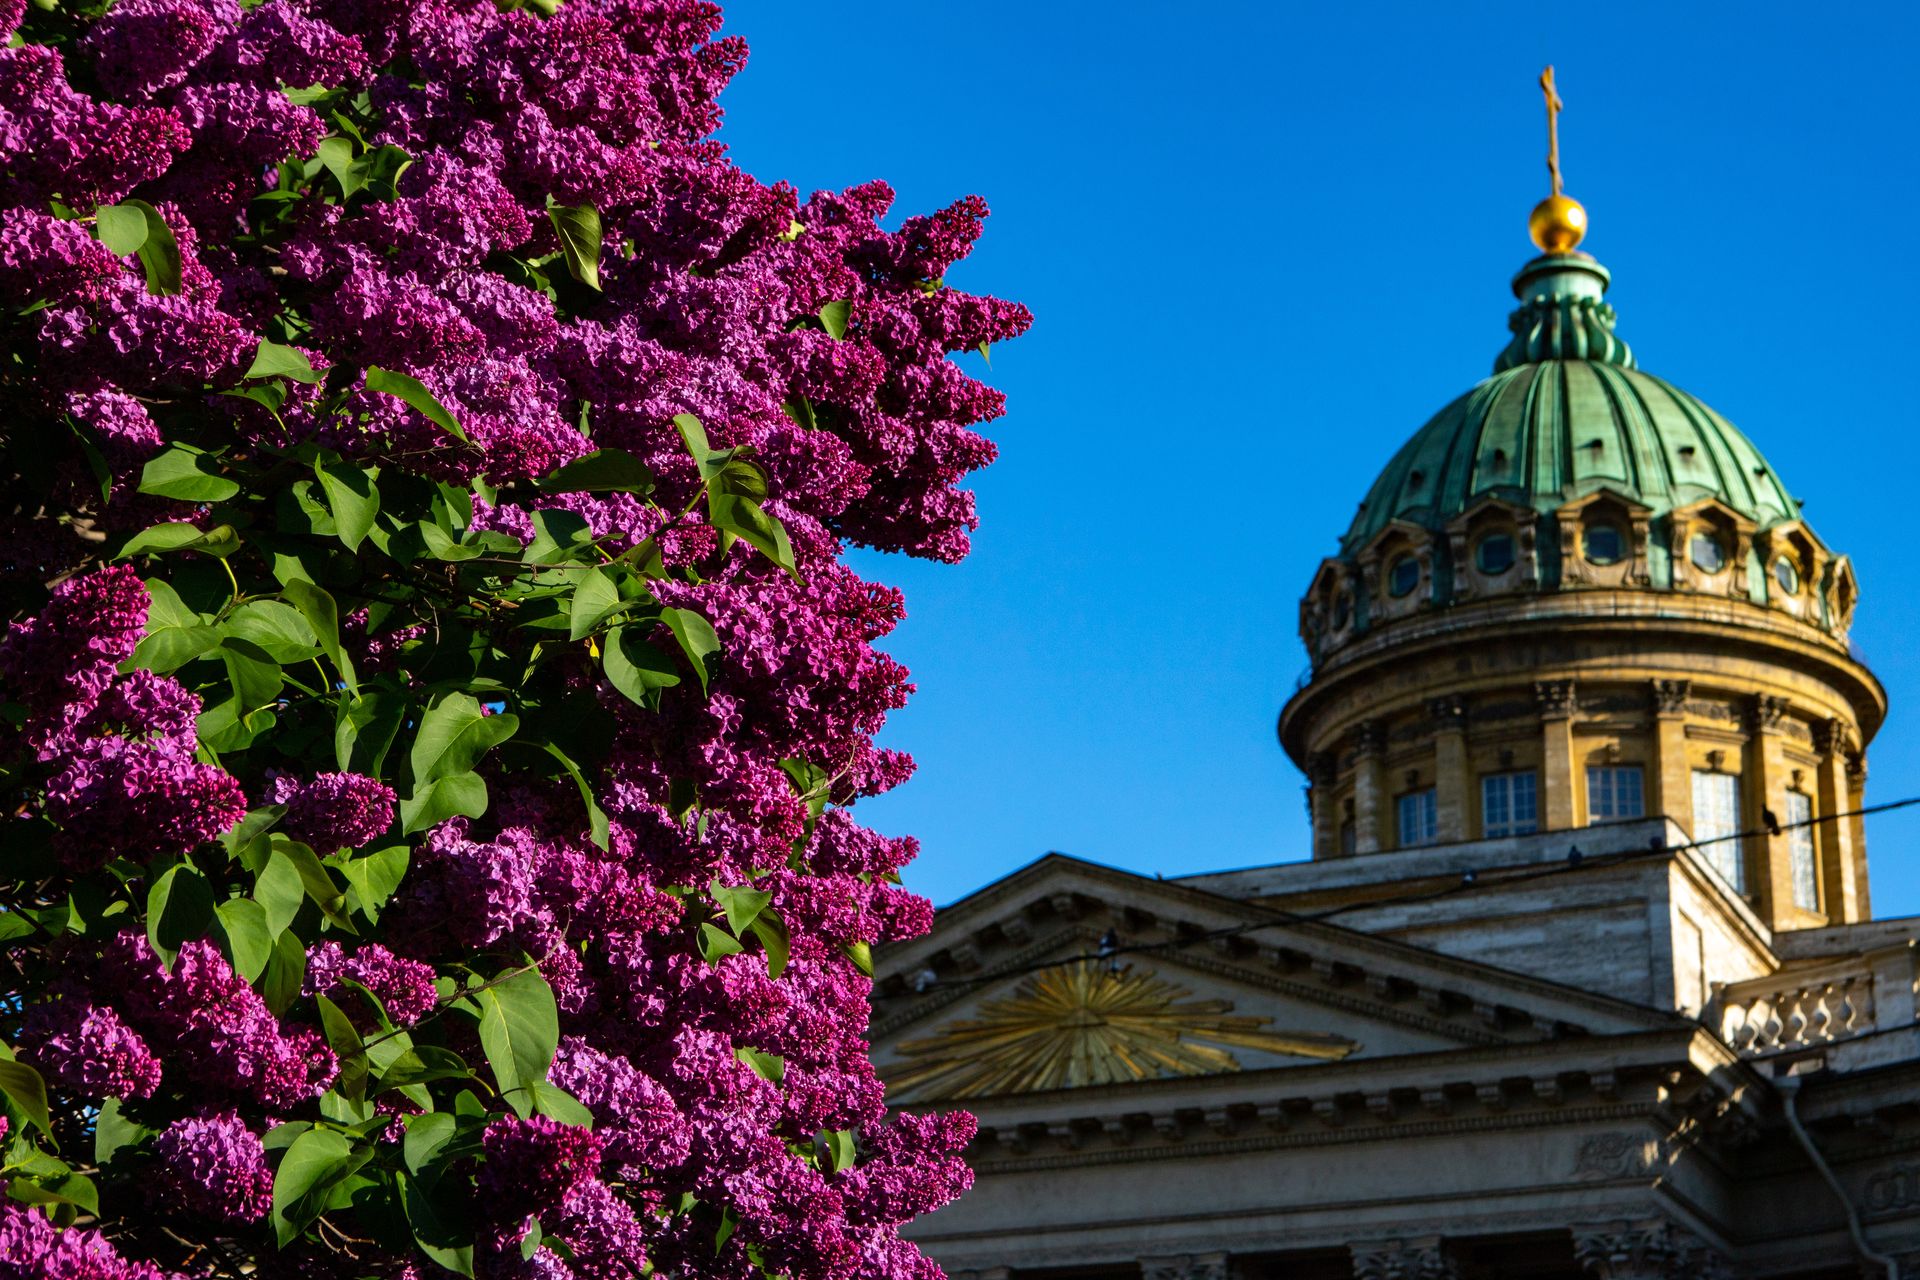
[1083, 1024]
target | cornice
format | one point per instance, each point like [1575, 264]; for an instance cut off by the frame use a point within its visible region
[1560, 1117]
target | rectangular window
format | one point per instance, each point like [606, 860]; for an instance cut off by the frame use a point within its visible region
[1349, 837]
[1614, 793]
[1419, 818]
[1801, 860]
[1508, 806]
[1716, 819]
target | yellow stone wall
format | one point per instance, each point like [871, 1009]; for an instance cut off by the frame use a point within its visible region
[1553, 683]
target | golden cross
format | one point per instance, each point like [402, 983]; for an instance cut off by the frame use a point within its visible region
[1554, 108]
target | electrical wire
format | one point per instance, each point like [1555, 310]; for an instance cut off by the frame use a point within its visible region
[1469, 880]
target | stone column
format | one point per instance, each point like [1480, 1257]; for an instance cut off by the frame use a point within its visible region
[1769, 865]
[1184, 1266]
[1856, 800]
[1451, 776]
[1557, 782]
[1673, 775]
[1424, 1258]
[1323, 770]
[1645, 1249]
[1370, 788]
[1834, 838]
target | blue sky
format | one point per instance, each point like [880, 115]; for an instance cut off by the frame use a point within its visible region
[1264, 243]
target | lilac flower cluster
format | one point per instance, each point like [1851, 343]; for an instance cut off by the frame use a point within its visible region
[801, 332]
[214, 1167]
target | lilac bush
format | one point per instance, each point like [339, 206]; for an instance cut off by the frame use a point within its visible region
[434, 697]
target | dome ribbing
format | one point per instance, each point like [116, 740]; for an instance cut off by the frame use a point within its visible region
[1567, 413]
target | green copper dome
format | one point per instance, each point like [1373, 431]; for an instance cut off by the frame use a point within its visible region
[1564, 414]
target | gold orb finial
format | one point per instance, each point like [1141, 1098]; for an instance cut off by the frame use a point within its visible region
[1558, 223]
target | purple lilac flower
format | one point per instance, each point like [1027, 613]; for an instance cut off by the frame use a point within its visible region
[214, 1167]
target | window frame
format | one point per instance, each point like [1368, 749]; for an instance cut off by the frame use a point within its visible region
[1710, 823]
[1428, 800]
[1803, 853]
[1510, 824]
[1613, 774]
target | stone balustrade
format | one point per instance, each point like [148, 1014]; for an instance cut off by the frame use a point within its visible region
[1861, 1008]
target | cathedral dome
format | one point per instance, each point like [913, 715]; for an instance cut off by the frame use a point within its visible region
[1565, 414]
[1570, 468]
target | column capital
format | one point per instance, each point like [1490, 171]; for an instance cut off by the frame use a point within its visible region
[1831, 737]
[1555, 697]
[1645, 1249]
[1449, 714]
[1765, 712]
[1423, 1258]
[1369, 737]
[1184, 1266]
[1670, 696]
[1322, 767]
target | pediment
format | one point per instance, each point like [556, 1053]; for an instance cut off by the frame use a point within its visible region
[1011, 993]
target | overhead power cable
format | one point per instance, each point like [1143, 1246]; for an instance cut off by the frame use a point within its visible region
[1472, 878]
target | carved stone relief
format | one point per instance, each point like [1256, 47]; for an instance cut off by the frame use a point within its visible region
[1645, 1249]
[1420, 1259]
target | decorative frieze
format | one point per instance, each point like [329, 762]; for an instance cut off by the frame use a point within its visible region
[1420, 1259]
[1766, 712]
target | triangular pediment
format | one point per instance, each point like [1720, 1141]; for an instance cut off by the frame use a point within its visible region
[1067, 973]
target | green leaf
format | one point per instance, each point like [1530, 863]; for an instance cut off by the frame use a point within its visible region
[323, 616]
[580, 240]
[463, 795]
[252, 671]
[415, 394]
[186, 473]
[557, 535]
[179, 909]
[519, 1031]
[317, 1159]
[268, 395]
[716, 944]
[800, 409]
[348, 1047]
[635, 667]
[422, 1063]
[365, 730]
[28, 1091]
[280, 630]
[862, 956]
[376, 876]
[442, 1232]
[769, 1066]
[249, 939]
[120, 227]
[695, 434]
[426, 1137]
[219, 541]
[741, 904]
[837, 1147]
[599, 830]
[748, 520]
[379, 171]
[335, 155]
[696, 637]
[314, 878]
[170, 648]
[272, 360]
[557, 1104]
[455, 732]
[280, 984]
[159, 252]
[834, 317]
[351, 497]
[280, 892]
[594, 597]
[114, 1133]
[772, 932]
[606, 471]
